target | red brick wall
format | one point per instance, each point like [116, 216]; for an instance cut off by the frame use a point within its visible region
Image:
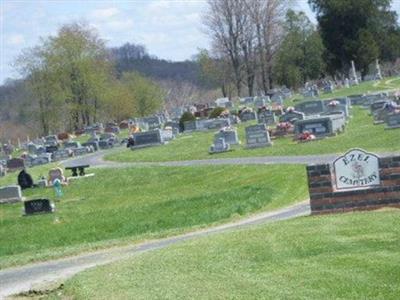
[324, 199]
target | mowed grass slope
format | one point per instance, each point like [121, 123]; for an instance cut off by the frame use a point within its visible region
[359, 133]
[124, 205]
[351, 256]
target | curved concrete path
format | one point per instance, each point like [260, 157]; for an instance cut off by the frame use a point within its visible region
[97, 160]
[40, 275]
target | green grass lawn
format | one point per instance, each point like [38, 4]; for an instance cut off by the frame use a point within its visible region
[351, 256]
[387, 84]
[117, 206]
[360, 133]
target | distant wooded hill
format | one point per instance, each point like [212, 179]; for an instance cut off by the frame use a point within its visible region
[132, 57]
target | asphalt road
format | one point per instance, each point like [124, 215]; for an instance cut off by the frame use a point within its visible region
[41, 275]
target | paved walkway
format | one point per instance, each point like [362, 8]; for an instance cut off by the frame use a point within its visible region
[96, 160]
[40, 275]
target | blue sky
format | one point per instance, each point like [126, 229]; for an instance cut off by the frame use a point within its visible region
[170, 29]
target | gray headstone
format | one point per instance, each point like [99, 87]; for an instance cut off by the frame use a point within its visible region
[148, 138]
[190, 125]
[266, 117]
[15, 164]
[247, 116]
[314, 107]
[10, 194]
[321, 126]
[60, 154]
[230, 136]
[219, 146]
[393, 121]
[291, 116]
[257, 136]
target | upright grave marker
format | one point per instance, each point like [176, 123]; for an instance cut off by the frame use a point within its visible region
[38, 206]
[257, 136]
[10, 194]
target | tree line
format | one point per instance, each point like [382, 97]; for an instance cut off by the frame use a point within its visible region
[257, 44]
[72, 81]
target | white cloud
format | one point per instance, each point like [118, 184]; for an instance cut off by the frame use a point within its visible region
[16, 40]
[104, 13]
[126, 24]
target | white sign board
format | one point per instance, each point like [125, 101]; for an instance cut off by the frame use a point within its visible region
[356, 169]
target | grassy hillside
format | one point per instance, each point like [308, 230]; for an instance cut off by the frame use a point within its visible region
[360, 133]
[125, 205]
[352, 256]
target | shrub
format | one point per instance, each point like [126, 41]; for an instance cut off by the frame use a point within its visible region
[216, 112]
[187, 116]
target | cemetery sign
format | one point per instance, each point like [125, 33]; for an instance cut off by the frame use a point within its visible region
[356, 169]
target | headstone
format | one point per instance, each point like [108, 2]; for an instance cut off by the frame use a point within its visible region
[377, 105]
[336, 106]
[378, 74]
[356, 169]
[148, 138]
[154, 122]
[354, 77]
[291, 116]
[80, 151]
[357, 99]
[40, 160]
[247, 116]
[190, 125]
[277, 98]
[321, 126]
[15, 164]
[260, 101]
[3, 171]
[229, 135]
[38, 206]
[93, 144]
[167, 134]
[257, 136]
[61, 154]
[314, 107]
[51, 140]
[393, 121]
[222, 102]
[247, 101]
[42, 183]
[10, 194]
[217, 123]
[71, 145]
[219, 146]
[51, 149]
[266, 117]
[106, 144]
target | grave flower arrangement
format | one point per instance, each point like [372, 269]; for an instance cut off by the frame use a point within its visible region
[306, 136]
[284, 126]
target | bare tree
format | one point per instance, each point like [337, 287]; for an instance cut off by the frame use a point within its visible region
[225, 21]
[267, 17]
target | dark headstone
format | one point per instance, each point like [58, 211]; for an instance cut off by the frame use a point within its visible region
[38, 206]
[15, 164]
